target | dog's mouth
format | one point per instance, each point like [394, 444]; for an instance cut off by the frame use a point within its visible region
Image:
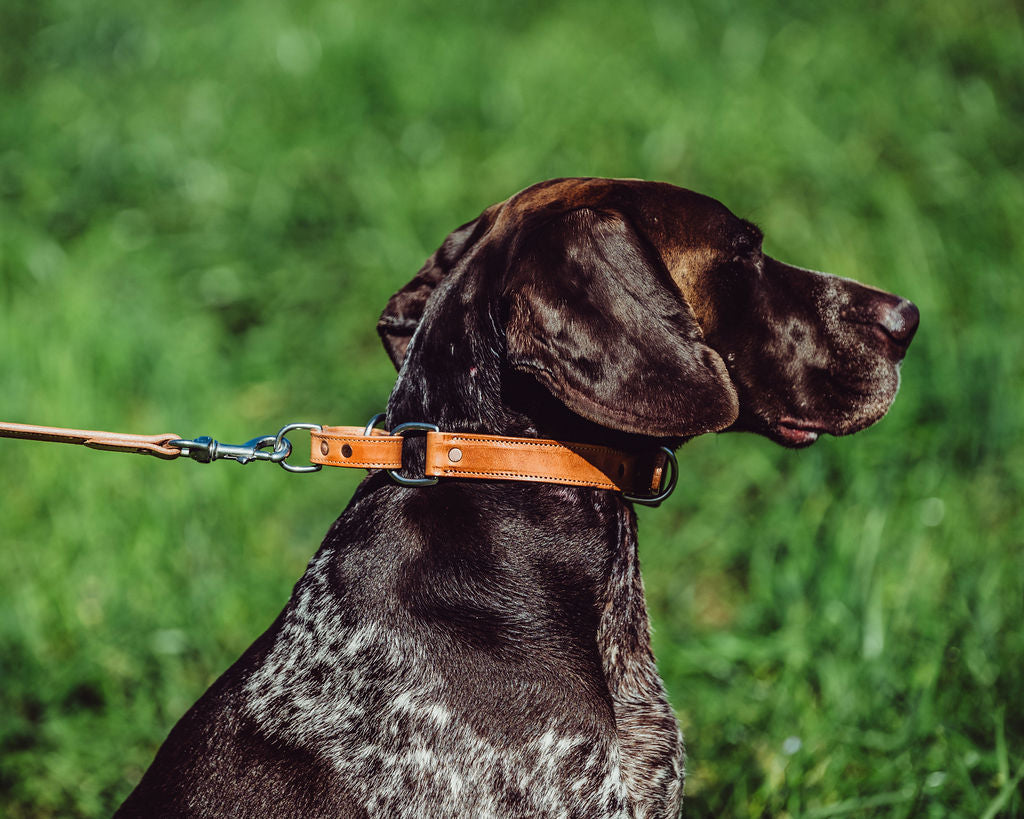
[786, 430]
[855, 407]
[794, 433]
[797, 433]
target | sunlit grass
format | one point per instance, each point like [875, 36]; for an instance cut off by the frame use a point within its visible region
[203, 210]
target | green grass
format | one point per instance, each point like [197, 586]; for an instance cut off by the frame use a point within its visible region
[203, 208]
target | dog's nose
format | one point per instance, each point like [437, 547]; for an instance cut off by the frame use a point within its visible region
[899, 319]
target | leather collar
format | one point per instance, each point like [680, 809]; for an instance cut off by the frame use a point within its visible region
[495, 457]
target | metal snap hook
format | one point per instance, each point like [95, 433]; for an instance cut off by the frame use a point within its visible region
[205, 449]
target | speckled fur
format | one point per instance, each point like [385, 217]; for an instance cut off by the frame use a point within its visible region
[481, 649]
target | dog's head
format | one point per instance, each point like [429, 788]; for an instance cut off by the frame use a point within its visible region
[645, 309]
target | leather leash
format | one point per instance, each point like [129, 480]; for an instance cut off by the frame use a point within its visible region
[111, 441]
[641, 479]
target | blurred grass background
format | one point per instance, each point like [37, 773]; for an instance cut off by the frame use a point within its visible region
[203, 208]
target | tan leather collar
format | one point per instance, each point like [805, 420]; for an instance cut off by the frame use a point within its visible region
[495, 457]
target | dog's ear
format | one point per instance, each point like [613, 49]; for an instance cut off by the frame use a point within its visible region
[404, 310]
[596, 318]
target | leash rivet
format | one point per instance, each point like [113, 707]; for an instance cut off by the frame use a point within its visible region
[455, 455]
[346, 451]
[324, 449]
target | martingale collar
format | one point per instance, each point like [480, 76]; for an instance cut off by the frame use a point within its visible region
[642, 479]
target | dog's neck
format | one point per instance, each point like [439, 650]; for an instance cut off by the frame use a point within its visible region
[451, 374]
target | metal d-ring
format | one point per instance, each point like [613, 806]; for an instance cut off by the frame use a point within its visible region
[668, 483]
[393, 473]
[368, 429]
[283, 445]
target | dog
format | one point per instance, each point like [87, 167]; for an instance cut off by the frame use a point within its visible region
[481, 648]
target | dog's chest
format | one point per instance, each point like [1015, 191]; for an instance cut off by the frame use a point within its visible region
[386, 726]
[367, 699]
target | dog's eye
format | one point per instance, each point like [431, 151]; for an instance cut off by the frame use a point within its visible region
[739, 279]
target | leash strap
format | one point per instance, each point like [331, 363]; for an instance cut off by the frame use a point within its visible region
[111, 441]
[643, 479]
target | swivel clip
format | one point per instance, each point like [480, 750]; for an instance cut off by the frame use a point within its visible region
[273, 448]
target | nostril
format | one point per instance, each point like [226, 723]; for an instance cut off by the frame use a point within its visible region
[900, 320]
